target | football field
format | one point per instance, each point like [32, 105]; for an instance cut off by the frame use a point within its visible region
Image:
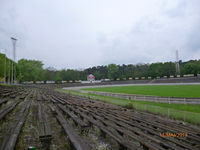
[154, 90]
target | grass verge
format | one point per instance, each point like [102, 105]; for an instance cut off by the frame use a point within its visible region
[189, 113]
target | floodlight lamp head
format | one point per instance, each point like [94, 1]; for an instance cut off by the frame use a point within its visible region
[12, 38]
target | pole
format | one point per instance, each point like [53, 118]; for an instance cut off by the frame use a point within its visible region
[8, 70]
[14, 40]
[177, 63]
[5, 68]
[12, 72]
[2, 59]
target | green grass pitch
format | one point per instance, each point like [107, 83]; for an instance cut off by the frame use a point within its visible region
[155, 90]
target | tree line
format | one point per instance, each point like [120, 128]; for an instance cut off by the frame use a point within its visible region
[5, 67]
[33, 70]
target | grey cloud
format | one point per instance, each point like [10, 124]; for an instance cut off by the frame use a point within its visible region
[156, 38]
[193, 42]
[178, 9]
[76, 34]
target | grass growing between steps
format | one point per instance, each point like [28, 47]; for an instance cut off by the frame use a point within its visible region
[189, 113]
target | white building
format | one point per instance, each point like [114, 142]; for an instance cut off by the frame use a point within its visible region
[91, 77]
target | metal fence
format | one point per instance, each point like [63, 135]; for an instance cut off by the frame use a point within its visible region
[185, 116]
[169, 100]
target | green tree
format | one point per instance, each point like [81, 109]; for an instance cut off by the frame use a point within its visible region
[169, 68]
[30, 70]
[113, 71]
[190, 68]
[4, 62]
[156, 69]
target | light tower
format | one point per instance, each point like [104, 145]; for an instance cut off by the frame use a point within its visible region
[13, 78]
[5, 68]
[8, 69]
[177, 63]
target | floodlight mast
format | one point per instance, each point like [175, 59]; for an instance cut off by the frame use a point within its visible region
[14, 40]
[5, 68]
[8, 70]
[177, 63]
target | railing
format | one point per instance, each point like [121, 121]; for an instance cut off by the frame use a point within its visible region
[185, 116]
[169, 100]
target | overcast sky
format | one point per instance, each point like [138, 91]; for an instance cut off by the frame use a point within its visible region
[84, 33]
